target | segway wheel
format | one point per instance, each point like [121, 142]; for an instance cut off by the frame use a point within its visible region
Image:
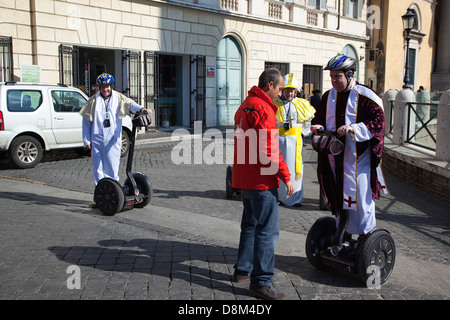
[320, 237]
[109, 196]
[228, 182]
[376, 258]
[144, 186]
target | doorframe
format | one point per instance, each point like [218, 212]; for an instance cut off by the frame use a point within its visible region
[197, 106]
[244, 78]
[242, 46]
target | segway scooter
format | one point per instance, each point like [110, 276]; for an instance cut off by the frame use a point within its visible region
[372, 258]
[110, 196]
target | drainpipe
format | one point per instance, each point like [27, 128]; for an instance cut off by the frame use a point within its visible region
[339, 15]
[380, 33]
[34, 56]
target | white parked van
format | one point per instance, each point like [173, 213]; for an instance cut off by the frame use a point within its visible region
[37, 117]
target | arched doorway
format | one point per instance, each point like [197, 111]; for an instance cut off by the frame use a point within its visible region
[228, 80]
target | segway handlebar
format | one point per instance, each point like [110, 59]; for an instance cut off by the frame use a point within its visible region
[142, 119]
[327, 142]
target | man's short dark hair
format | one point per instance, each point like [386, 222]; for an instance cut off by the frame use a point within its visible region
[268, 75]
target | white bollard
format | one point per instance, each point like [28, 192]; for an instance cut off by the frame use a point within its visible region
[401, 115]
[388, 111]
[443, 128]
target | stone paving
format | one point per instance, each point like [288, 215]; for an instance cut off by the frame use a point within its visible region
[47, 227]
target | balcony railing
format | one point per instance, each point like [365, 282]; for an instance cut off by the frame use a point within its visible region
[422, 124]
[312, 18]
[275, 11]
[232, 5]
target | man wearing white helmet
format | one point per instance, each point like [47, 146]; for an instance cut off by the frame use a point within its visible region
[291, 115]
[352, 179]
[102, 127]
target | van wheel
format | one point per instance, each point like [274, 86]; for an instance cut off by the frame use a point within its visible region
[125, 143]
[25, 152]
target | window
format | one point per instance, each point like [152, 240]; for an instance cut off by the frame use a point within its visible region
[312, 79]
[23, 101]
[412, 65]
[68, 62]
[283, 67]
[417, 26]
[67, 101]
[6, 59]
[351, 52]
[317, 4]
[353, 8]
[372, 54]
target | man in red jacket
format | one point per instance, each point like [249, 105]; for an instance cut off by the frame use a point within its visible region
[257, 170]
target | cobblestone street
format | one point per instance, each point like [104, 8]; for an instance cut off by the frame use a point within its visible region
[184, 244]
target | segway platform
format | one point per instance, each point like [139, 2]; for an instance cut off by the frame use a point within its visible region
[112, 197]
[372, 258]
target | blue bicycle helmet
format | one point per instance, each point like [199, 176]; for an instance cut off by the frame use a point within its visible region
[105, 79]
[341, 62]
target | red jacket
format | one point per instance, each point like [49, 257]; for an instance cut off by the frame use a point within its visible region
[258, 164]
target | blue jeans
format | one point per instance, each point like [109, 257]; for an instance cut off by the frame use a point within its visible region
[259, 234]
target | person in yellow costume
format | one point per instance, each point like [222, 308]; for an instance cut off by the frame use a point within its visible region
[291, 115]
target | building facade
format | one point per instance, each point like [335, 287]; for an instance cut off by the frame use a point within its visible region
[429, 51]
[191, 60]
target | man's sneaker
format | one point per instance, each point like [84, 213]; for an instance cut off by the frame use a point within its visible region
[238, 277]
[266, 292]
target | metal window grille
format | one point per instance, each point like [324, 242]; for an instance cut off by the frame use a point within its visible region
[150, 85]
[6, 59]
[134, 75]
[68, 62]
[200, 78]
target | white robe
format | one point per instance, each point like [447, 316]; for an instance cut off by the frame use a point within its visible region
[362, 211]
[106, 142]
[363, 219]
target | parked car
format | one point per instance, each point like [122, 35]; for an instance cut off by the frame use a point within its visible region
[38, 117]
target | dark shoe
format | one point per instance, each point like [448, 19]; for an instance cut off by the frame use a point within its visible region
[266, 292]
[238, 277]
[94, 205]
[361, 238]
[347, 237]
[297, 205]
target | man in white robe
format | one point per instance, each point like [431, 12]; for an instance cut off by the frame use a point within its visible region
[102, 127]
[292, 115]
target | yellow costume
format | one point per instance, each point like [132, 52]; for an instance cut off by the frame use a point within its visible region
[305, 112]
[290, 118]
